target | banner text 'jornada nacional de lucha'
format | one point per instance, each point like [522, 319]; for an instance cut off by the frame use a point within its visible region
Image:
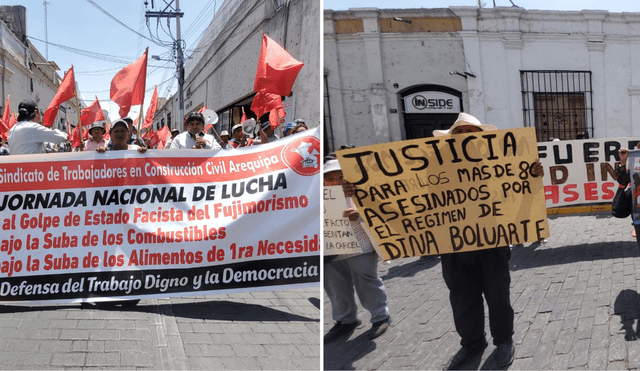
[449, 194]
[93, 227]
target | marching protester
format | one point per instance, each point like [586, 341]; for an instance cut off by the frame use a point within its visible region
[119, 134]
[343, 273]
[133, 133]
[28, 136]
[174, 133]
[4, 148]
[623, 177]
[470, 275]
[266, 134]
[224, 138]
[295, 127]
[194, 136]
[97, 131]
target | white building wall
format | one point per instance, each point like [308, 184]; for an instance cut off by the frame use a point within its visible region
[493, 45]
[223, 72]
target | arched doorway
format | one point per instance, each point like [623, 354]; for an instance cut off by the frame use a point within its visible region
[429, 107]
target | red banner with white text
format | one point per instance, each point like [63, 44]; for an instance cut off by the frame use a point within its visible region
[91, 226]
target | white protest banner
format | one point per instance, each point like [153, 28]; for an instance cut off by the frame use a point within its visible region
[449, 194]
[338, 233]
[581, 172]
[124, 225]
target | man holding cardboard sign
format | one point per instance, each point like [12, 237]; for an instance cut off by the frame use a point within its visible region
[466, 194]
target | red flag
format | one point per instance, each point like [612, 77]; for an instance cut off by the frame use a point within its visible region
[163, 135]
[244, 116]
[76, 137]
[85, 134]
[7, 112]
[153, 139]
[202, 109]
[13, 119]
[4, 130]
[265, 102]
[66, 91]
[148, 120]
[128, 85]
[276, 116]
[92, 113]
[4, 123]
[277, 69]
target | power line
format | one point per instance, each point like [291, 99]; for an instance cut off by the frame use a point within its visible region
[117, 20]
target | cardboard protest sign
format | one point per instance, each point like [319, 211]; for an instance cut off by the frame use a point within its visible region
[123, 225]
[581, 172]
[338, 234]
[449, 194]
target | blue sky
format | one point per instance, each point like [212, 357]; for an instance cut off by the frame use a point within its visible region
[78, 24]
[610, 5]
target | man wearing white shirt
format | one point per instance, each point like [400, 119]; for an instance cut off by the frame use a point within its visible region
[28, 136]
[194, 136]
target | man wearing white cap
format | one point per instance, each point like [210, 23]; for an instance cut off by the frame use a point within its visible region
[474, 274]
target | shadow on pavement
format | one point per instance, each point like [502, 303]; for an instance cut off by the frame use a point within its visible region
[536, 255]
[627, 306]
[342, 353]
[410, 269]
[208, 310]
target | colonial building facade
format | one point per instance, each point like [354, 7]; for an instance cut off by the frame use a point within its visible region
[399, 74]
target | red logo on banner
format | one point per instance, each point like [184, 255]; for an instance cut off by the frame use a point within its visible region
[303, 155]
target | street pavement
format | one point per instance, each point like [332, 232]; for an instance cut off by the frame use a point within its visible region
[258, 330]
[575, 298]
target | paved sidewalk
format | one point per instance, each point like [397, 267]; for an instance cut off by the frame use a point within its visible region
[576, 302]
[259, 330]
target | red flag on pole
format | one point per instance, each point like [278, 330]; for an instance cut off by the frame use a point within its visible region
[276, 116]
[76, 136]
[272, 103]
[92, 113]
[85, 134]
[265, 102]
[66, 91]
[128, 85]
[153, 139]
[163, 135]
[148, 120]
[244, 116]
[277, 69]
[13, 119]
[7, 113]
[4, 123]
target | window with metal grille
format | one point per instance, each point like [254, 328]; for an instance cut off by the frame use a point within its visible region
[558, 104]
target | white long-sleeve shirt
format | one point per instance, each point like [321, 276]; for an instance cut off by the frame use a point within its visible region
[185, 141]
[27, 137]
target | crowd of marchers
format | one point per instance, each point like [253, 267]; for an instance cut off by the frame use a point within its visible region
[29, 136]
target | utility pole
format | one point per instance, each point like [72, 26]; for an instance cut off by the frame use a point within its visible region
[180, 66]
[177, 45]
[46, 35]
